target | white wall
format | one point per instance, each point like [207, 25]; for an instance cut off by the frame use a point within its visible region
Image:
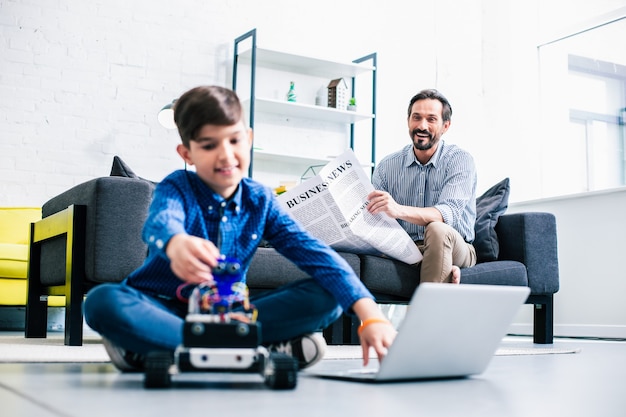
[591, 228]
[83, 81]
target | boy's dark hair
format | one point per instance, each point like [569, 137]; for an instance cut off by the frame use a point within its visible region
[205, 105]
[446, 112]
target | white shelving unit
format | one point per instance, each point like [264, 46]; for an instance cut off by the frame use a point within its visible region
[260, 154]
[285, 123]
[308, 111]
[304, 64]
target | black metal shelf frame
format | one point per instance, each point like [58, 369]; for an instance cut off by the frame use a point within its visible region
[252, 35]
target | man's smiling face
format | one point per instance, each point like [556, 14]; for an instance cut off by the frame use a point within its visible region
[426, 124]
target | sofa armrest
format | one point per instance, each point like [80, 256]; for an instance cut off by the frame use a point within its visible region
[117, 208]
[530, 238]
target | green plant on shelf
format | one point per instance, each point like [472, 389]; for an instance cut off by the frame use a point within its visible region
[352, 104]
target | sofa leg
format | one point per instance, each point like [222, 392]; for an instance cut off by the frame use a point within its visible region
[36, 308]
[543, 332]
[333, 334]
[73, 320]
[36, 319]
[74, 277]
[343, 331]
[353, 331]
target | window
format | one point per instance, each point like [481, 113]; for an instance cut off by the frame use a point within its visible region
[583, 104]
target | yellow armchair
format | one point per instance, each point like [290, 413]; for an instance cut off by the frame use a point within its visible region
[14, 240]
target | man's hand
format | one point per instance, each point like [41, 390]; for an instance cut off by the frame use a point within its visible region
[383, 202]
[192, 258]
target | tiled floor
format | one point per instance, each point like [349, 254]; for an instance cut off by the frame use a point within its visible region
[589, 383]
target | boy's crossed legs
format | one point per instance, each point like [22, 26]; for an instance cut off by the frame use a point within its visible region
[131, 321]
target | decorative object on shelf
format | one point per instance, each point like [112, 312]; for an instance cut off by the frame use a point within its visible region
[291, 94]
[284, 186]
[352, 104]
[280, 189]
[310, 172]
[338, 94]
[321, 99]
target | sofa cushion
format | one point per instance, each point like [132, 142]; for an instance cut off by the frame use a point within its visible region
[13, 260]
[13, 293]
[390, 280]
[14, 234]
[15, 223]
[496, 273]
[489, 207]
[269, 269]
[389, 276]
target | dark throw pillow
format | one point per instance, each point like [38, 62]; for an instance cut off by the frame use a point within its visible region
[489, 207]
[120, 169]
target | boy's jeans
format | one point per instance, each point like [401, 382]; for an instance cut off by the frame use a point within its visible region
[142, 323]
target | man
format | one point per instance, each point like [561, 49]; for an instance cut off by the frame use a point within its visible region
[430, 188]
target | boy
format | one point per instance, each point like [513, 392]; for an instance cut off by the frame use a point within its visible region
[195, 218]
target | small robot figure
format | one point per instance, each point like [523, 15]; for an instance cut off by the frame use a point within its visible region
[218, 339]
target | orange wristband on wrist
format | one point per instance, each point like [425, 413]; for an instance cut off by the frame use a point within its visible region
[367, 322]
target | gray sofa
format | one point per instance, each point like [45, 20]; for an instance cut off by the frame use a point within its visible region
[527, 257]
[90, 234]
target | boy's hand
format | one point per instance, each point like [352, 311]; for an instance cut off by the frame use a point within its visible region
[378, 336]
[192, 258]
[378, 333]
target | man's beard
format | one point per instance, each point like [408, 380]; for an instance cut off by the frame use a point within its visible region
[432, 140]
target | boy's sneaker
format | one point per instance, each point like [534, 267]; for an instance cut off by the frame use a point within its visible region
[307, 350]
[123, 360]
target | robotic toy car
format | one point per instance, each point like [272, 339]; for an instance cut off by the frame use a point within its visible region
[218, 339]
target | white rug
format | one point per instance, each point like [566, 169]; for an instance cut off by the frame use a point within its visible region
[512, 351]
[18, 349]
[354, 352]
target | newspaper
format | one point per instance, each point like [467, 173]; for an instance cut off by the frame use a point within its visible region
[332, 206]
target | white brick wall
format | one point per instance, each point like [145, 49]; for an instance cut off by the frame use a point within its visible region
[82, 81]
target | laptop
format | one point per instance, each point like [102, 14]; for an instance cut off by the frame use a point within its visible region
[449, 331]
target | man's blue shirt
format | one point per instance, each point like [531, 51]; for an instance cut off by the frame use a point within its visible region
[447, 182]
[184, 204]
